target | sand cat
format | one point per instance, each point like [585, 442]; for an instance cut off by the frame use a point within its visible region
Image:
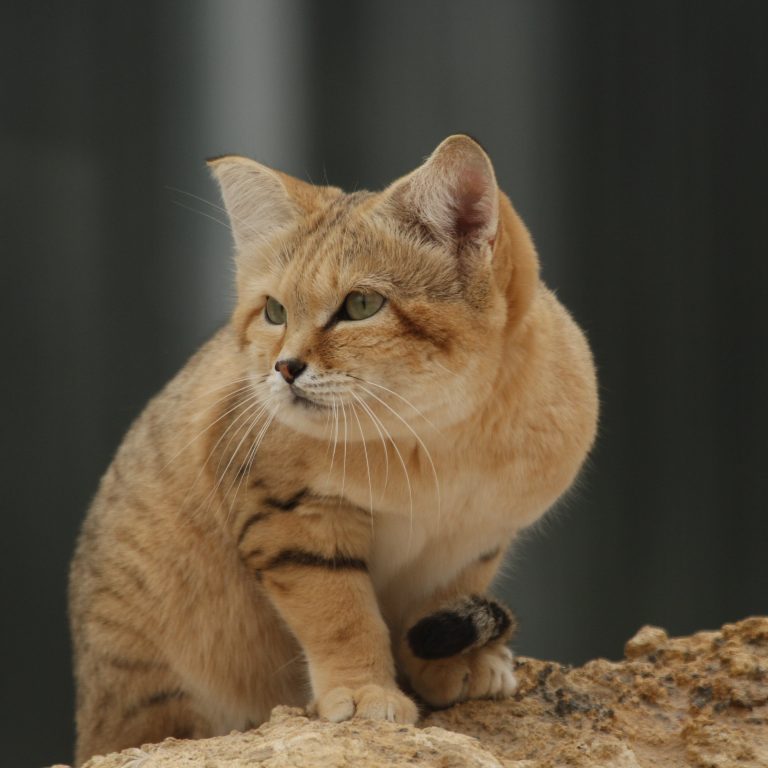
[312, 511]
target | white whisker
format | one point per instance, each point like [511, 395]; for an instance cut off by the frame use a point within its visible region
[203, 213]
[399, 396]
[367, 464]
[344, 466]
[329, 428]
[249, 404]
[247, 425]
[335, 433]
[420, 442]
[383, 443]
[239, 445]
[250, 458]
[213, 423]
[375, 418]
[287, 663]
[282, 255]
[447, 370]
[246, 381]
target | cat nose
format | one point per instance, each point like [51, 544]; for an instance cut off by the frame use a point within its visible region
[290, 368]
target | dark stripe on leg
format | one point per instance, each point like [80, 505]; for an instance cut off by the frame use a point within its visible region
[135, 665]
[279, 505]
[154, 700]
[301, 557]
[288, 504]
[251, 521]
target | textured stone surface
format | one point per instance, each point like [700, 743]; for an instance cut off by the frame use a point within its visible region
[697, 701]
[691, 701]
[291, 740]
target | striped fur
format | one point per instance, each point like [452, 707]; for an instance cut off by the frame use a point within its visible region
[256, 542]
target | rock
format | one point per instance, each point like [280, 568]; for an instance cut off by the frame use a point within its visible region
[646, 641]
[291, 740]
[698, 701]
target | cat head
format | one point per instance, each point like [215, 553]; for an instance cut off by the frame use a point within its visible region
[391, 308]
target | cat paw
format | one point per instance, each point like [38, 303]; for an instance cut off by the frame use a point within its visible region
[372, 702]
[492, 673]
[484, 673]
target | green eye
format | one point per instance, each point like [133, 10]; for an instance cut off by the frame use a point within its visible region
[358, 306]
[275, 312]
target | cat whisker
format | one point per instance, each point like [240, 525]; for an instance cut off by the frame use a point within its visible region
[375, 418]
[281, 255]
[330, 418]
[420, 442]
[344, 465]
[383, 443]
[248, 404]
[251, 457]
[447, 370]
[367, 464]
[249, 426]
[244, 469]
[241, 222]
[245, 381]
[246, 423]
[199, 199]
[203, 213]
[335, 433]
[328, 428]
[261, 405]
[212, 424]
[397, 395]
[287, 664]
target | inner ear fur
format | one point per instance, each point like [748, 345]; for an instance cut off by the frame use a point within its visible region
[453, 197]
[262, 202]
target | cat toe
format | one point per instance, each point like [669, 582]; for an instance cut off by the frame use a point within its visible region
[484, 673]
[443, 682]
[492, 673]
[337, 705]
[377, 703]
[371, 702]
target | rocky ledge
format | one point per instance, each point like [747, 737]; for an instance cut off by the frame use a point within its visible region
[689, 701]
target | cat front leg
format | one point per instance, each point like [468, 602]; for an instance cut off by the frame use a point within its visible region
[312, 561]
[455, 644]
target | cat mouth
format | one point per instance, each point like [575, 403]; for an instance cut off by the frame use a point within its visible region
[304, 401]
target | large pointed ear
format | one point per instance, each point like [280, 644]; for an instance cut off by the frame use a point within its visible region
[258, 200]
[452, 197]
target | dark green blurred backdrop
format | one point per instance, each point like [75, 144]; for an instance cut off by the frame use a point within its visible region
[632, 137]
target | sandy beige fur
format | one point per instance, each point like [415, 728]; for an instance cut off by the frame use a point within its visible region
[246, 548]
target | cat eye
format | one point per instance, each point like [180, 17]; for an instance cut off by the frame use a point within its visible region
[359, 306]
[275, 312]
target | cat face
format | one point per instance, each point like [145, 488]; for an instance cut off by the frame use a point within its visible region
[369, 313]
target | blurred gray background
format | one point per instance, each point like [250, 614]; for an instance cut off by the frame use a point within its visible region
[631, 136]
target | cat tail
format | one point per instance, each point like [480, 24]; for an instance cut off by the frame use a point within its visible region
[467, 623]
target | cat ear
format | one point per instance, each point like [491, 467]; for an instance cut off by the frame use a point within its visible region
[453, 194]
[258, 200]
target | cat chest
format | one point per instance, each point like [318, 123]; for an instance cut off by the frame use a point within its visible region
[439, 539]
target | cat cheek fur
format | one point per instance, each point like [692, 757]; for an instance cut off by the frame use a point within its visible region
[245, 550]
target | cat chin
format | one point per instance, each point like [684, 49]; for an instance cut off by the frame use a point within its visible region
[317, 420]
[299, 401]
[304, 416]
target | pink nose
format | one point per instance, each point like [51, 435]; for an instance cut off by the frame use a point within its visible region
[290, 369]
